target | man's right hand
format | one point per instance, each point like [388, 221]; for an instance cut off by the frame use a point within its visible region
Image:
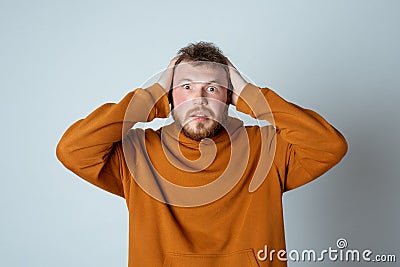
[238, 82]
[165, 79]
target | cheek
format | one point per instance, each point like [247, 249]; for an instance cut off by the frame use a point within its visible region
[181, 104]
[220, 101]
[224, 98]
[221, 96]
[218, 106]
[178, 98]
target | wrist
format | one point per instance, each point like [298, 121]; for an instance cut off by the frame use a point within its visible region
[237, 90]
[165, 79]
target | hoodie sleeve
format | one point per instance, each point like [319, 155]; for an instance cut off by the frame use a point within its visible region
[92, 147]
[306, 144]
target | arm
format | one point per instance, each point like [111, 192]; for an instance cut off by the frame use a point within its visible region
[91, 147]
[307, 145]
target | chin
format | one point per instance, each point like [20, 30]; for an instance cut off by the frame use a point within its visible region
[200, 130]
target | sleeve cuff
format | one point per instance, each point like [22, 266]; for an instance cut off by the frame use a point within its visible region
[160, 97]
[253, 101]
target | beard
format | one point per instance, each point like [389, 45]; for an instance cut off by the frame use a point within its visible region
[198, 130]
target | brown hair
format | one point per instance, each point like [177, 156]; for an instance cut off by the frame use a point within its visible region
[202, 51]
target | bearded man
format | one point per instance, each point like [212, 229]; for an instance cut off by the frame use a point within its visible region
[204, 190]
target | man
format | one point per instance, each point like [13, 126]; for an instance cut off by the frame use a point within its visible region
[204, 190]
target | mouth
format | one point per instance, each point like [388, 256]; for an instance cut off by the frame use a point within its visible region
[199, 117]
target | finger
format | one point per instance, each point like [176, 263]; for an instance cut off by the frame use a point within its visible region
[173, 61]
[229, 63]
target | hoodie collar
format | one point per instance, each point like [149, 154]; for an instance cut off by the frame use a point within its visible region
[172, 131]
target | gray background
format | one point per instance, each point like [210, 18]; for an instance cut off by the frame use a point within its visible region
[59, 60]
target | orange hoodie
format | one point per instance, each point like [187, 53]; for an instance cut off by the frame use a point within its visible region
[189, 202]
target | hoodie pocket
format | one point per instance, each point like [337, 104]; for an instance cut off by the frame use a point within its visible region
[242, 258]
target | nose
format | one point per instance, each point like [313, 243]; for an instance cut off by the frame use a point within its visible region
[199, 95]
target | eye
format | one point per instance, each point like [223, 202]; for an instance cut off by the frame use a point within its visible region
[186, 86]
[212, 88]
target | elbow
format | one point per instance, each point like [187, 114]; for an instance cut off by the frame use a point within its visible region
[63, 153]
[70, 159]
[339, 148]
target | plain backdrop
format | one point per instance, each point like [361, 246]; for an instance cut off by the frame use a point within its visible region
[59, 60]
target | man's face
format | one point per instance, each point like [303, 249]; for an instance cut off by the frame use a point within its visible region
[200, 98]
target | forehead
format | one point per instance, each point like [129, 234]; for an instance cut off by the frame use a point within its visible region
[200, 72]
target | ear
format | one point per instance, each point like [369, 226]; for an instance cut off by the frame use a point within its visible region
[170, 98]
[230, 91]
[229, 97]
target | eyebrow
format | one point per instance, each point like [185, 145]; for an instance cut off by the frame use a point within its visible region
[189, 80]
